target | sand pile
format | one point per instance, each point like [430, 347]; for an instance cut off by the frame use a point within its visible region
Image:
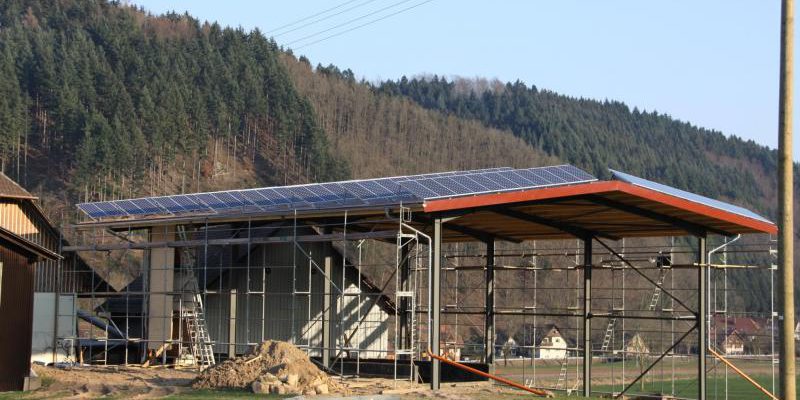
[272, 367]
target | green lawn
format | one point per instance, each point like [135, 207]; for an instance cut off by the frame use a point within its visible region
[738, 388]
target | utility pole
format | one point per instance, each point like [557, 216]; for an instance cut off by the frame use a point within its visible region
[786, 198]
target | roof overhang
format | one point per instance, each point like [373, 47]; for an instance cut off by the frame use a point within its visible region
[626, 206]
[31, 250]
[612, 209]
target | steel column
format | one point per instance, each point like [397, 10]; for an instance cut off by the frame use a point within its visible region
[405, 335]
[587, 316]
[702, 317]
[489, 325]
[435, 307]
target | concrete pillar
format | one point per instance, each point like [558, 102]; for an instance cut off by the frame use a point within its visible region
[328, 313]
[161, 284]
[232, 325]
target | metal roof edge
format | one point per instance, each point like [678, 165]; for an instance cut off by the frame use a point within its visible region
[680, 193]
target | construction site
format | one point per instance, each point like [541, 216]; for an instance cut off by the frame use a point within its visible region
[547, 280]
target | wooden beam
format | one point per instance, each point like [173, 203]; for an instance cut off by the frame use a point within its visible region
[477, 234]
[689, 227]
[573, 230]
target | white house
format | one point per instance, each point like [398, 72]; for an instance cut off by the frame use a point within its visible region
[553, 345]
[732, 343]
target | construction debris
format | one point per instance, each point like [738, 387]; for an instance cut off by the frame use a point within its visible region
[272, 367]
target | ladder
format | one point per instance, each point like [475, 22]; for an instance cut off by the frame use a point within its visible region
[200, 345]
[609, 335]
[662, 274]
[202, 348]
[562, 375]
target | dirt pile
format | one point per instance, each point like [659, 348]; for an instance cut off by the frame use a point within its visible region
[272, 367]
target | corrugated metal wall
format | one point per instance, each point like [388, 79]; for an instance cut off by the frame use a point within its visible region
[16, 315]
[24, 219]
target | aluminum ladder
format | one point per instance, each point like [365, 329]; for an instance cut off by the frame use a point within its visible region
[200, 342]
[609, 335]
[562, 375]
[662, 274]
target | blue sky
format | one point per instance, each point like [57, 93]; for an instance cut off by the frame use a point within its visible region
[712, 63]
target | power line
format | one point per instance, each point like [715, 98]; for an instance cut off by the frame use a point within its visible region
[348, 22]
[362, 25]
[310, 16]
[324, 18]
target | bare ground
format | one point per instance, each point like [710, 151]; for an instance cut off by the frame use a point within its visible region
[146, 383]
[120, 382]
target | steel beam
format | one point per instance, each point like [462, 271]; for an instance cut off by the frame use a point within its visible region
[587, 316]
[489, 316]
[435, 307]
[702, 318]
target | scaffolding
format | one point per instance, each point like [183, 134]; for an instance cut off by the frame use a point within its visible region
[360, 300]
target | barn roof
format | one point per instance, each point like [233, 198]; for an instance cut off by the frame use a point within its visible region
[29, 249]
[11, 189]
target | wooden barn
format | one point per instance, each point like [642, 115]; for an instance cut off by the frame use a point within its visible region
[18, 259]
[63, 279]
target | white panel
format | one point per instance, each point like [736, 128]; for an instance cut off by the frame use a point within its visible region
[43, 320]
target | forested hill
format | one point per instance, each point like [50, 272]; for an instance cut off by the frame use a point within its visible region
[607, 134]
[101, 101]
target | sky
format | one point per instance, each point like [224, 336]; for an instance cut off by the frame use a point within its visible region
[711, 63]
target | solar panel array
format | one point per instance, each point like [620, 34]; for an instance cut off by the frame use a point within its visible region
[366, 192]
[635, 180]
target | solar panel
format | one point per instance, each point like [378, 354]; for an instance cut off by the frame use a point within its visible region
[108, 209]
[393, 190]
[494, 181]
[635, 180]
[537, 177]
[146, 205]
[274, 196]
[166, 203]
[129, 206]
[90, 209]
[256, 198]
[578, 173]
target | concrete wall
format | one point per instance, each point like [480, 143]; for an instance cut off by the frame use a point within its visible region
[161, 277]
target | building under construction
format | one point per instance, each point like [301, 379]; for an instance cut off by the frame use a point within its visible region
[372, 276]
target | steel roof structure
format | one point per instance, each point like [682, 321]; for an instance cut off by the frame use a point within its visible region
[516, 204]
[487, 205]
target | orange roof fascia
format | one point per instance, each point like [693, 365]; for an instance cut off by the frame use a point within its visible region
[698, 208]
[597, 187]
[492, 199]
